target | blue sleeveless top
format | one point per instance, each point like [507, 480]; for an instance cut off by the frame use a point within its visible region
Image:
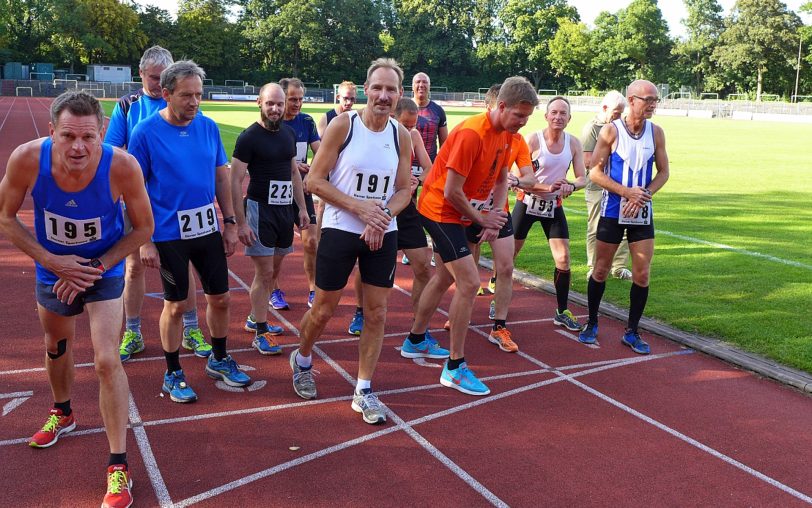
[85, 223]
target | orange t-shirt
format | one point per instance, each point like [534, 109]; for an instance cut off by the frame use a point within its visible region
[474, 150]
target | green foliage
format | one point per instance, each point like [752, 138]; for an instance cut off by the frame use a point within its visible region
[704, 25]
[571, 52]
[157, 25]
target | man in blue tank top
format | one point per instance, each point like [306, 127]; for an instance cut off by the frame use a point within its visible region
[131, 109]
[622, 163]
[185, 168]
[345, 100]
[77, 184]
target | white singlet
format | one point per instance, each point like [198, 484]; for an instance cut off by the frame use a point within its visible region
[552, 167]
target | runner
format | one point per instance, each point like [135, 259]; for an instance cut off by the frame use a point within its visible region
[184, 165]
[366, 156]
[435, 131]
[131, 109]
[470, 171]
[267, 152]
[622, 164]
[346, 98]
[77, 184]
[306, 137]
[555, 151]
[611, 108]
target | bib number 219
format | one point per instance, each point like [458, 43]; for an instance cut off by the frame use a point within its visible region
[196, 222]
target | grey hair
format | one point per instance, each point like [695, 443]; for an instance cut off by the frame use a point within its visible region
[180, 70]
[386, 63]
[155, 56]
[613, 99]
[79, 103]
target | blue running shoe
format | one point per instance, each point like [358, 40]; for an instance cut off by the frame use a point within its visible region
[425, 349]
[357, 323]
[589, 334]
[265, 344]
[634, 341]
[277, 300]
[175, 385]
[251, 326]
[464, 380]
[310, 298]
[431, 339]
[227, 371]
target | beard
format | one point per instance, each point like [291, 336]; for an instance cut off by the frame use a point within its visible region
[270, 124]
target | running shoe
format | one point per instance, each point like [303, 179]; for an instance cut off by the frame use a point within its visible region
[175, 385]
[589, 334]
[634, 341]
[56, 425]
[463, 379]
[404, 260]
[480, 291]
[502, 338]
[194, 341]
[119, 484]
[357, 323]
[131, 343]
[492, 310]
[227, 371]
[277, 300]
[265, 344]
[622, 274]
[303, 383]
[492, 285]
[425, 349]
[251, 326]
[369, 406]
[310, 298]
[430, 338]
[567, 320]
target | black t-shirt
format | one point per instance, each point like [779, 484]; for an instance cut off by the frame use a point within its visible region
[268, 155]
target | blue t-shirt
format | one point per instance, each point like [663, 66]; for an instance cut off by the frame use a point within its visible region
[306, 133]
[130, 110]
[86, 223]
[179, 166]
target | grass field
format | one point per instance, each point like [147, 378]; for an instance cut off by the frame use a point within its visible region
[733, 229]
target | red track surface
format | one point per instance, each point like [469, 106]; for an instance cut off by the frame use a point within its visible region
[564, 424]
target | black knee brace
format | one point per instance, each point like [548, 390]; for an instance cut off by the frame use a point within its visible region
[61, 346]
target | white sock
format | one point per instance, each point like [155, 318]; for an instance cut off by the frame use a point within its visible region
[362, 384]
[304, 361]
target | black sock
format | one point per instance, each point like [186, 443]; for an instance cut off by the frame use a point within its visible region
[117, 458]
[218, 347]
[594, 295]
[262, 327]
[359, 310]
[637, 303]
[499, 322]
[64, 406]
[454, 364]
[561, 279]
[172, 361]
[417, 338]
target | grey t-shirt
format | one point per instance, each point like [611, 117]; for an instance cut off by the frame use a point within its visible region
[589, 138]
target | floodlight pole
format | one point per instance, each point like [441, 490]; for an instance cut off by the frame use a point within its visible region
[798, 68]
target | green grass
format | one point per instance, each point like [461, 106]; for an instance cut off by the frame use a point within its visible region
[747, 185]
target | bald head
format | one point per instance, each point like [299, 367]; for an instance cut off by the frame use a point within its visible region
[269, 88]
[642, 88]
[643, 99]
[421, 85]
[271, 103]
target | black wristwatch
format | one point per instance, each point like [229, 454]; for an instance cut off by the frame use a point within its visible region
[97, 263]
[230, 220]
[388, 211]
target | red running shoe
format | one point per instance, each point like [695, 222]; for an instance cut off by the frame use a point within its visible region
[56, 425]
[119, 484]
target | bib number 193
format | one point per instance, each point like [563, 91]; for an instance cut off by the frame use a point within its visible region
[197, 222]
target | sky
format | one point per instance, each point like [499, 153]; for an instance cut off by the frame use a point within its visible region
[673, 10]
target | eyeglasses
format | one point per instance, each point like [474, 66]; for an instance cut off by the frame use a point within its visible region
[648, 100]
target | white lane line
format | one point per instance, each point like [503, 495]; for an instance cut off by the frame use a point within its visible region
[33, 120]
[7, 113]
[721, 246]
[151, 465]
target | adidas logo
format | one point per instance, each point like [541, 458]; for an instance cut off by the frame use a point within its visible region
[71, 204]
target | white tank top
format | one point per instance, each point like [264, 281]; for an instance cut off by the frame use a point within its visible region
[550, 167]
[366, 169]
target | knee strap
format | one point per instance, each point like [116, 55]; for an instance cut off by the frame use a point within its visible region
[61, 346]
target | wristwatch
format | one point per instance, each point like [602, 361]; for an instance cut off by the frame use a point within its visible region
[97, 263]
[388, 211]
[230, 220]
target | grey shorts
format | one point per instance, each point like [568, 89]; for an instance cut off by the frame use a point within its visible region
[276, 238]
[107, 288]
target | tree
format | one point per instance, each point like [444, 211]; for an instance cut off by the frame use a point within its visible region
[758, 37]
[642, 39]
[205, 34]
[704, 25]
[571, 52]
[24, 27]
[157, 25]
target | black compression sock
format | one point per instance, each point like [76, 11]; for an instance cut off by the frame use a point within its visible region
[64, 406]
[454, 364]
[561, 279]
[117, 458]
[218, 348]
[637, 303]
[417, 338]
[262, 327]
[172, 361]
[594, 295]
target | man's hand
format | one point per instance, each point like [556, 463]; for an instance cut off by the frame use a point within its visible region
[413, 183]
[246, 235]
[566, 188]
[373, 238]
[494, 219]
[304, 168]
[66, 291]
[371, 212]
[488, 235]
[230, 239]
[149, 255]
[637, 195]
[512, 180]
[74, 269]
[304, 219]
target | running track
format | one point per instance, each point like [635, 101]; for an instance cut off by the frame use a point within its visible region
[565, 424]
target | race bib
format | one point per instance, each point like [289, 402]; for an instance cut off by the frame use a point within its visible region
[197, 222]
[371, 184]
[67, 231]
[643, 217]
[301, 151]
[280, 192]
[417, 171]
[539, 206]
